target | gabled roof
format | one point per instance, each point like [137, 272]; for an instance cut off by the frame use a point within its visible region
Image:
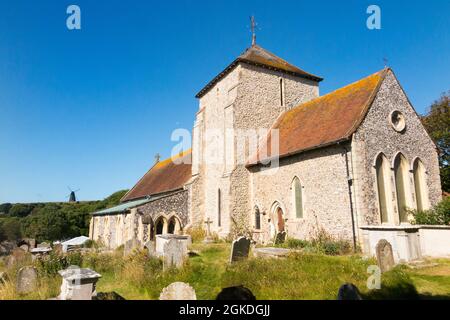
[255, 55]
[322, 121]
[165, 176]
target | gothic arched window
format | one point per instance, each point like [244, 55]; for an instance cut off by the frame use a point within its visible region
[401, 186]
[297, 196]
[382, 173]
[420, 185]
[257, 218]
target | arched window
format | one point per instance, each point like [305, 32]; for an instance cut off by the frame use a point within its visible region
[257, 218]
[171, 227]
[401, 186]
[420, 185]
[382, 172]
[281, 92]
[160, 226]
[297, 197]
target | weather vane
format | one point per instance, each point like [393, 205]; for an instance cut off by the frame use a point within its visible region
[253, 26]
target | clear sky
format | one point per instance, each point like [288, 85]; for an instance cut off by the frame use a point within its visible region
[90, 108]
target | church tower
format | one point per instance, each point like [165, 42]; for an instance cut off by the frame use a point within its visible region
[235, 108]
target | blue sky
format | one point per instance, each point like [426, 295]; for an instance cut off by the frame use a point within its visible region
[90, 108]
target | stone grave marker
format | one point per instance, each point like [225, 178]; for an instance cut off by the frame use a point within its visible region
[26, 280]
[385, 256]
[240, 249]
[174, 253]
[178, 291]
[130, 246]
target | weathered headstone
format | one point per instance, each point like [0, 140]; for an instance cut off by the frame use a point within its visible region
[130, 246]
[178, 291]
[209, 238]
[348, 291]
[25, 247]
[174, 253]
[271, 252]
[240, 249]
[385, 256]
[280, 238]
[18, 255]
[3, 277]
[150, 246]
[78, 284]
[26, 280]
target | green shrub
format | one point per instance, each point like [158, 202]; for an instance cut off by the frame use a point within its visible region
[50, 264]
[439, 215]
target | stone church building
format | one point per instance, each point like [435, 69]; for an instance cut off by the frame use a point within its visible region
[271, 155]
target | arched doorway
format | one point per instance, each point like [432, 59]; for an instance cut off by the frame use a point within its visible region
[280, 220]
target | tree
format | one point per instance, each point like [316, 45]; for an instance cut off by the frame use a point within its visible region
[5, 207]
[11, 229]
[437, 123]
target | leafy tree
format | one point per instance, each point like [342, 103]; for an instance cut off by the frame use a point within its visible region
[21, 210]
[5, 207]
[11, 229]
[437, 123]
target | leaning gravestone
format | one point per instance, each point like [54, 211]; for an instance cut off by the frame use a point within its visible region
[150, 245]
[385, 257]
[348, 291]
[174, 253]
[26, 280]
[240, 249]
[178, 291]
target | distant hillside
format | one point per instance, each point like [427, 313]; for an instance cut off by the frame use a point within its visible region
[50, 221]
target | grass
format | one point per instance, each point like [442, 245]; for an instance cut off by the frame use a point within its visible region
[299, 276]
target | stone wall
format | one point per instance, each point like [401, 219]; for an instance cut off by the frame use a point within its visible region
[114, 230]
[175, 204]
[326, 203]
[376, 135]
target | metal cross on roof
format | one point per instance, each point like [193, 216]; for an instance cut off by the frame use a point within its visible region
[385, 60]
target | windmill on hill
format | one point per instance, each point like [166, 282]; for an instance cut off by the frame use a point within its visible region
[72, 197]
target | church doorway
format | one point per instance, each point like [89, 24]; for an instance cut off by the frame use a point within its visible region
[280, 220]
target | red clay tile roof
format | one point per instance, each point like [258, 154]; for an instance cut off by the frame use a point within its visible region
[255, 55]
[322, 121]
[167, 175]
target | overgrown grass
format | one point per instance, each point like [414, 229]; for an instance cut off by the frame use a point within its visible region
[302, 275]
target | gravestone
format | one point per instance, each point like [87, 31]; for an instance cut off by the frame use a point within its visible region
[178, 291]
[130, 246]
[348, 291]
[25, 247]
[385, 256]
[3, 277]
[280, 238]
[240, 249]
[150, 245]
[18, 255]
[26, 280]
[78, 284]
[271, 252]
[174, 253]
